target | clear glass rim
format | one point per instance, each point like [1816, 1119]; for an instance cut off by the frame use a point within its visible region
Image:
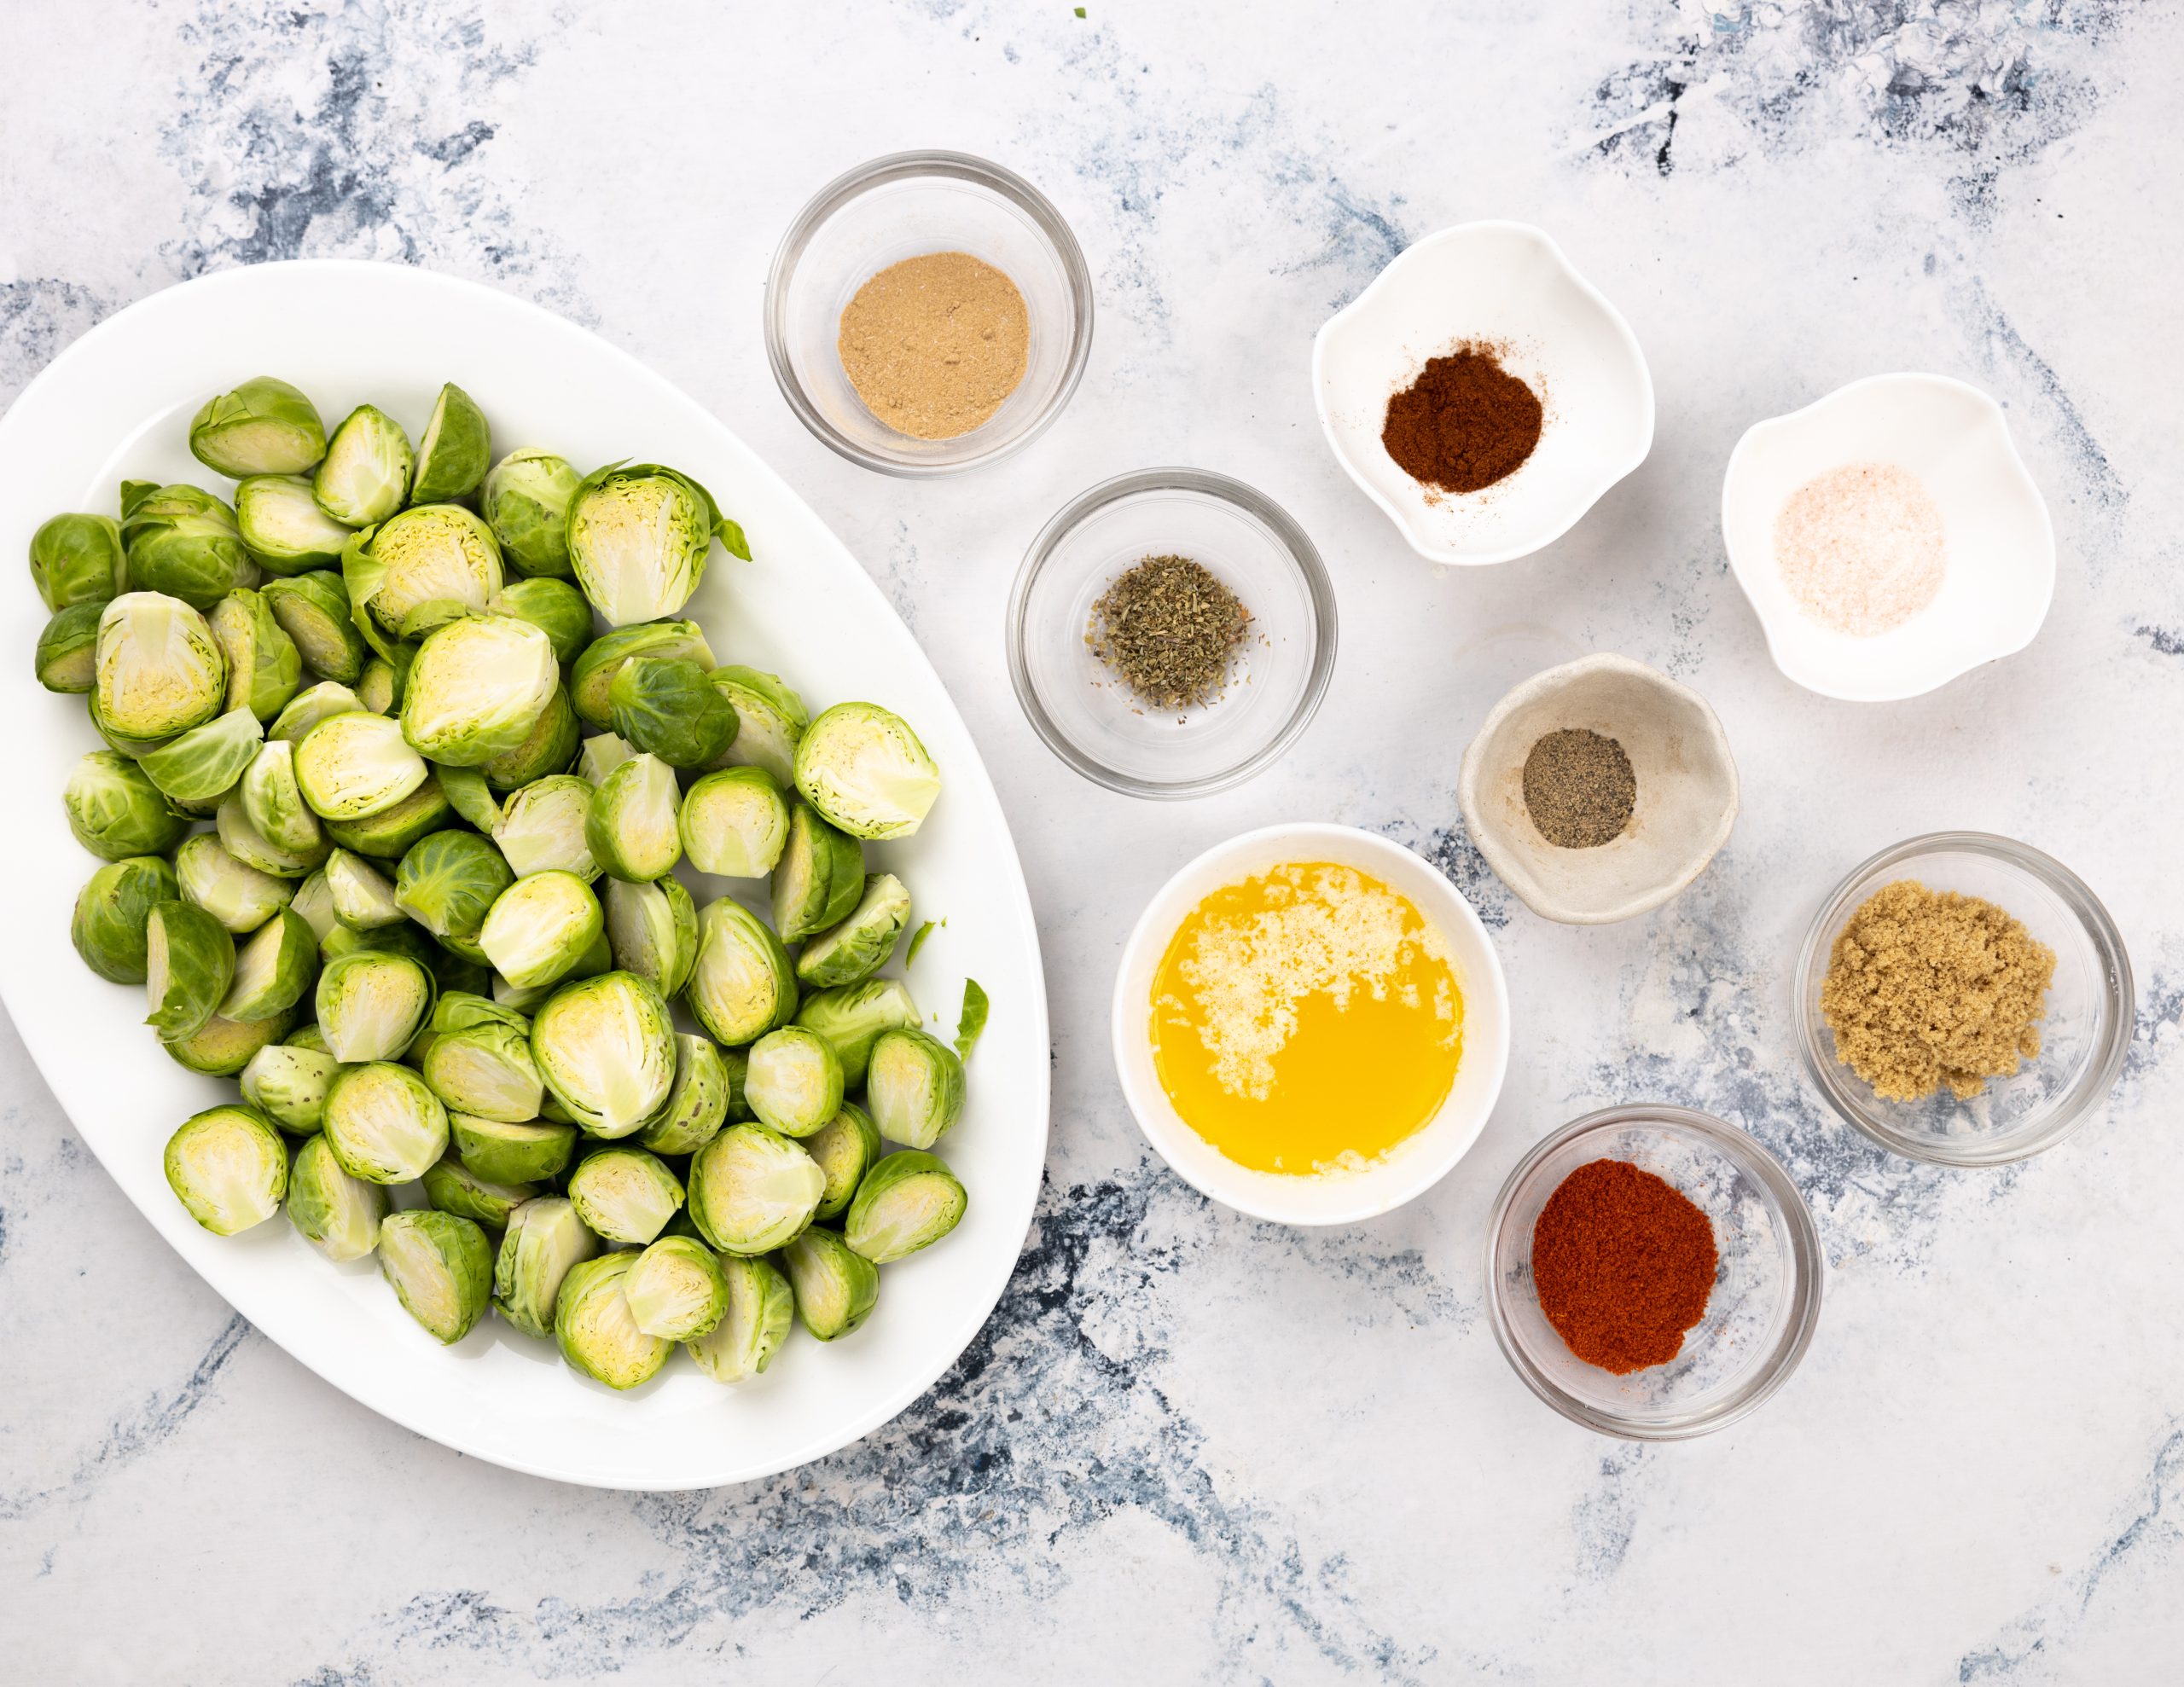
[1303, 556]
[1806, 1261]
[905, 166]
[2087, 1096]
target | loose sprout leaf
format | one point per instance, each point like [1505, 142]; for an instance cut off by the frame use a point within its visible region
[732, 540]
[972, 1021]
[917, 943]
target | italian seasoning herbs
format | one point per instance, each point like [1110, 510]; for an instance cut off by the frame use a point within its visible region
[1623, 1263]
[1578, 789]
[935, 345]
[1464, 423]
[1168, 629]
[1927, 987]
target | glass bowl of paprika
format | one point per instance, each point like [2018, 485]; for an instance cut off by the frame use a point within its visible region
[1652, 1273]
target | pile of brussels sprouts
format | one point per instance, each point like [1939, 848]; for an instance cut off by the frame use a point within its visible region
[434, 928]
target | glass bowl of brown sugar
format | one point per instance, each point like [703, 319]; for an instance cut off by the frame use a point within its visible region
[2008, 974]
[1670, 1250]
[927, 313]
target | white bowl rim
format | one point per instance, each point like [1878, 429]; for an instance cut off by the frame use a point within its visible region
[1816, 681]
[1408, 1174]
[1444, 553]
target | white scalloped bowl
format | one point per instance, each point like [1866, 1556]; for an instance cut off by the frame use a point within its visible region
[2000, 576]
[1507, 283]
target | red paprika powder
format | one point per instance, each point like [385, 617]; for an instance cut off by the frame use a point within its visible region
[1464, 423]
[1623, 1265]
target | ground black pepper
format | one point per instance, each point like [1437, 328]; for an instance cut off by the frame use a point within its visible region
[1579, 789]
[1167, 627]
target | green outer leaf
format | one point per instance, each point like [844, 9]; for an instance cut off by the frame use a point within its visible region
[971, 1021]
[917, 943]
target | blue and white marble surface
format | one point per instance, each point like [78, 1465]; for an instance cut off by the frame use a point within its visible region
[1189, 1447]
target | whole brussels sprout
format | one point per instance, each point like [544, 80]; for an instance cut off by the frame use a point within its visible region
[440, 1267]
[229, 1169]
[757, 1319]
[184, 541]
[283, 527]
[639, 535]
[241, 896]
[630, 828]
[752, 1188]
[594, 1330]
[452, 455]
[205, 762]
[863, 769]
[545, 1242]
[116, 811]
[313, 609]
[742, 984]
[161, 671]
[477, 688]
[864, 942]
[67, 650]
[351, 766]
[591, 681]
[667, 707]
[264, 427]
[554, 606]
[113, 911]
[448, 883]
[606, 1047]
[337, 1213]
[364, 475]
[526, 501]
[736, 823]
[542, 827]
[652, 931]
[835, 1288]
[429, 555]
[541, 927]
[264, 668]
[78, 559]
[770, 721]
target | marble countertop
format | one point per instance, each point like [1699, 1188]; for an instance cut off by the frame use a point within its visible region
[1190, 1447]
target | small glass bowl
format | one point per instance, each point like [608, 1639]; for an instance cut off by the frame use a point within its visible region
[2084, 1035]
[1767, 1285]
[901, 206]
[1087, 716]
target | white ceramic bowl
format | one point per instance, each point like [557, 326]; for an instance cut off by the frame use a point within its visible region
[1509, 284]
[1414, 1166]
[2001, 545]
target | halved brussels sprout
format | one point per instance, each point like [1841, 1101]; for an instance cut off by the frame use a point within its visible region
[274, 803]
[639, 535]
[770, 721]
[452, 1187]
[555, 608]
[545, 1241]
[116, 811]
[591, 681]
[526, 500]
[371, 1004]
[794, 1081]
[205, 763]
[429, 555]
[363, 476]
[530, 1152]
[486, 1072]
[283, 526]
[313, 609]
[752, 1188]
[602, 754]
[835, 1288]
[667, 707]
[864, 768]
[350, 765]
[606, 1047]
[454, 452]
[313, 904]
[161, 671]
[541, 828]
[913, 1087]
[908, 1201]
[311, 705]
[184, 541]
[549, 749]
[248, 845]
[477, 689]
[470, 796]
[189, 960]
[389, 834]
[378, 688]
[264, 427]
[630, 827]
[736, 823]
[307, 1035]
[440, 1267]
[626, 1194]
[364, 896]
[113, 910]
[407, 941]
[676, 1289]
[742, 984]
[593, 1327]
[853, 1017]
[288, 1085]
[77, 560]
[337, 1213]
[228, 1167]
[272, 971]
[696, 1106]
[68, 656]
[818, 878]
[540, 927]
[448, 883]
[263, 666]
[864, 942]
[384, 1123]
[652, 931]
[221, 1047]
[760, 1313]
[845, 1147]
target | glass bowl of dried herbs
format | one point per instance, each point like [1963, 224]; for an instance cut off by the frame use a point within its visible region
[1170, 632]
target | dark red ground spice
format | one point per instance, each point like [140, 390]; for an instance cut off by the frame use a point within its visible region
[1464, 423]
[1623, 1264]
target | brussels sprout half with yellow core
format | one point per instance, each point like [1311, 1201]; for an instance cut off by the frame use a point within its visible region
[639, 535]
[853, 1018]
[863, 768]
[555, 608]
[742, 984]
[526, 501]
[113, 911]
[667, 707]
[676, 1289]
[863, 942]
[751, 1189]
[264, 426]
[273, 970]
[116, 811]
[228, 1167]
[533, 1151]
[289, 1085]
[591, 681]
[626, 1194]
[453, 453]
[770, 721]
[364, 475]
[913, 1087]
[429, 555]
[337, 1213]
[477, 688]
[593, 1327]
[264, 668]
[313, 609]
[541, 827]
[371, 1004]
[205, 763]
[759, 1313]
[284, 528]
[77, 560]
[735, 823]
[606, 1047]
[451, 1187]
[844, 1148]
[448, 883]
[378, 688]
[545, 1241]
[652, 931]
[351, 766]
[239, 895]
[274, 803]
[485, 1072]
[189, 960]
[311, 705]
[384, 1123]
[66, 659]
[631, 827]
[161, 671]
[793, 1082]
[818, 878]
[183, 541]
[363, 896]
[440, 1267]
[696, 1105]
[835, 1288]
[539, 929]
[221, 1047]
[908, 1201]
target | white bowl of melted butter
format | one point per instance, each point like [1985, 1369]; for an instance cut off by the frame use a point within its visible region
[1310, 1024]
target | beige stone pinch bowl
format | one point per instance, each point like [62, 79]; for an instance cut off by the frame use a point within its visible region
[1686, 789]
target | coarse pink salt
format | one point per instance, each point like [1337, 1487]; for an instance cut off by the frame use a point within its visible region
[1860, 548]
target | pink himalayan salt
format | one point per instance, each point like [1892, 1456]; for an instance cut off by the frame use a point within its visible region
[1860, 549]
